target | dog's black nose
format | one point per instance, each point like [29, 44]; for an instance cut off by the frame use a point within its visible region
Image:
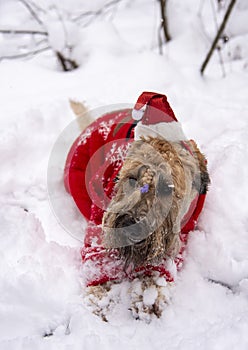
[130, 231]
[125, 221]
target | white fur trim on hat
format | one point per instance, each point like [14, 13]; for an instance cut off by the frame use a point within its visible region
[169, 131]
[137, 114]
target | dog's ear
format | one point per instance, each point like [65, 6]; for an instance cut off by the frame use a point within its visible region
[205, 181]
[201, 182]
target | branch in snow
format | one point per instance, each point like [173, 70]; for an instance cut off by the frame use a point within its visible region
[25, 54]
[66, 63]
[218, 35]
[32, 12]
[164, 21]
[221, 283]
[58, 37]
[20, 31]
[36, 7]
[97, 12]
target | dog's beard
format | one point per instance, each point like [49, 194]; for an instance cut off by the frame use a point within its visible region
[145, 240]
[151, 250]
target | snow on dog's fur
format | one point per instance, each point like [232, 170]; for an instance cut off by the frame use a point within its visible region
[157, 183]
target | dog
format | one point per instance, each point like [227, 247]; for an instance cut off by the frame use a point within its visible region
[152, 189]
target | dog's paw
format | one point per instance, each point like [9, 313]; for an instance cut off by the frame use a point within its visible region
[149, 297]
[145, 297]
[98, 299]
[106, 299]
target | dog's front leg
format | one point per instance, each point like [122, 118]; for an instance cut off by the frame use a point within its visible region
[149, 297]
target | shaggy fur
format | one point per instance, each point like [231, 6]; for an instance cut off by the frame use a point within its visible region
[154, 189]
[145, 227]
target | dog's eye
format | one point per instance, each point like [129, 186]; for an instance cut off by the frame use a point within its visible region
[163, 188]
[132, 181]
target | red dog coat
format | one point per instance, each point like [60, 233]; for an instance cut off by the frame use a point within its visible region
[92, 166]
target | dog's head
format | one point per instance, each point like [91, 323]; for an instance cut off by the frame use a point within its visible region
[154, 190]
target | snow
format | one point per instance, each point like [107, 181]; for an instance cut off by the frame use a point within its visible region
[150, 295]
[41, 304]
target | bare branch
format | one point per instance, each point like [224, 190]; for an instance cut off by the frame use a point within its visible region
[97, 12]
[60, 17]
[26, 54]
[164, 22]
[160, 42]
[36, 11]
[223, 284]
[66, 63]
[23, 31]
[32, 12]
[36, 7]
[218, 47]
[218, 35]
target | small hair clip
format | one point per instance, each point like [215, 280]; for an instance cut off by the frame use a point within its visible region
[144, 189]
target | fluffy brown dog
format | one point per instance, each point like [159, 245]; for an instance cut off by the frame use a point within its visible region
[145, 227]
[158, 196]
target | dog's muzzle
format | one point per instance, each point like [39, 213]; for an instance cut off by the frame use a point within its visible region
[128, 231]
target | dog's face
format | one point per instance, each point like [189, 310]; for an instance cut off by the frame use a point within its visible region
[156, 186]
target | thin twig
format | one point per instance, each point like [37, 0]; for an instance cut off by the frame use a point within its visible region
[26, 54]
[97, 12]
[164, 22]
[160, 42]
[218, 35]
[63, 25]
[66, 63]
[39, 42]
[223, 284]
[38, 8]
[23, 31]
[32, 12]
[219, 48]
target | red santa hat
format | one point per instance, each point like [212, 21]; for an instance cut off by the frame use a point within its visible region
[156, 118]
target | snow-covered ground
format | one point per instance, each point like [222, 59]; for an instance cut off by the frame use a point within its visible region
[40, 283]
